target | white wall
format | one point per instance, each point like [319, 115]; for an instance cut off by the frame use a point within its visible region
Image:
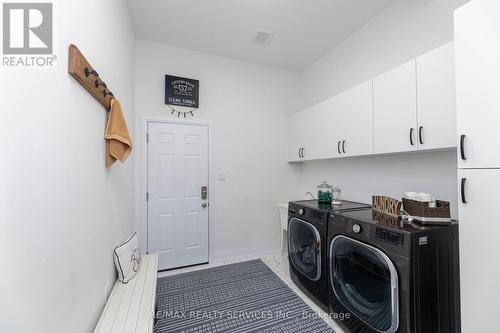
[248, 105]
[392, 175]
[61, 211]
[404, 30]
[401, 32]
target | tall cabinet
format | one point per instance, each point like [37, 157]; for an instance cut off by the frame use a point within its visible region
[477, 51]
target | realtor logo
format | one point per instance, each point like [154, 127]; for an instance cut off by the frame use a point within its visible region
[28, 30]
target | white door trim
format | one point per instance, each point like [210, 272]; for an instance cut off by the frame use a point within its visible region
[143, 178]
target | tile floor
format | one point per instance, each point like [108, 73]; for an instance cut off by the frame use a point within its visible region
[277, 262]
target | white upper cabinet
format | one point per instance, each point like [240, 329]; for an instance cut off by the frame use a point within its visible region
[436, 99]
[412, 107]
[353, 135]
[301, 135]
[296, 135]
[340, 126]
[477, 49]
[395, 110]
[328, 129]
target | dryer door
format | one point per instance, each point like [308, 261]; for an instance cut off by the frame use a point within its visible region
[365, 281]
[304, 248]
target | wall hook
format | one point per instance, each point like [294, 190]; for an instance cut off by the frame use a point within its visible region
[106, 92]
[89, 71]
[82, 71]
[100, 83]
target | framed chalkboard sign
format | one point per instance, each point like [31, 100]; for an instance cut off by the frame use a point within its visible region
[181, 91]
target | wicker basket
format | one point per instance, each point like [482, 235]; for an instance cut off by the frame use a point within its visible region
[424, 214]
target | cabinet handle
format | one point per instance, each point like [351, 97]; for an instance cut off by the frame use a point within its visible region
[420, 135]
[343, 146]
[462, 149]
[303, 149]
[338, 147]
[462, 190]
[299, 152]
[411, 136]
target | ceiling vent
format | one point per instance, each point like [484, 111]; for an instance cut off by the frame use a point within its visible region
[263, 36]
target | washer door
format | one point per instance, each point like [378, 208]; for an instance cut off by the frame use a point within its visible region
[365, 281]
[304, 248]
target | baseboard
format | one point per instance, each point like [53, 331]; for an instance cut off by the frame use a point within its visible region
[242, 254]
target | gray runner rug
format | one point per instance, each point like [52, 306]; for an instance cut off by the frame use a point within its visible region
[236, 298]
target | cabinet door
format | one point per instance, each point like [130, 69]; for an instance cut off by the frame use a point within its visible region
[436, 99]
[477, 54]
[329, 129]
[479, 250]
[296, 135]
[395, 110]
[301, 135]
[355, 120]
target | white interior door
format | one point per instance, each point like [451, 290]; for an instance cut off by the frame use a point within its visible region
[177, 211]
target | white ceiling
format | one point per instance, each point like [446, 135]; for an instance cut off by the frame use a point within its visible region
[303, 30]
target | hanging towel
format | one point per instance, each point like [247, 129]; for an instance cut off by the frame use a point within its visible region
[118, 142]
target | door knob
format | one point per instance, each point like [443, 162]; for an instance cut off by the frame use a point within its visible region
[204, 205]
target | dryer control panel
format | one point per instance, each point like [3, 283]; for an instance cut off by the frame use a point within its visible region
[311, 215]
[391, 237]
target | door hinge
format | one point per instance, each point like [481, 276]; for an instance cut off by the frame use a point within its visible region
[147, 137]
[147, 196]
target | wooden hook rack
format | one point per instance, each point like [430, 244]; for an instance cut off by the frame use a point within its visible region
[83, 72]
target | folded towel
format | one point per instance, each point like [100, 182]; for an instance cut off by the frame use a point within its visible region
[118, 142]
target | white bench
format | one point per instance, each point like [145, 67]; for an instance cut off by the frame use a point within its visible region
[130, 307]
